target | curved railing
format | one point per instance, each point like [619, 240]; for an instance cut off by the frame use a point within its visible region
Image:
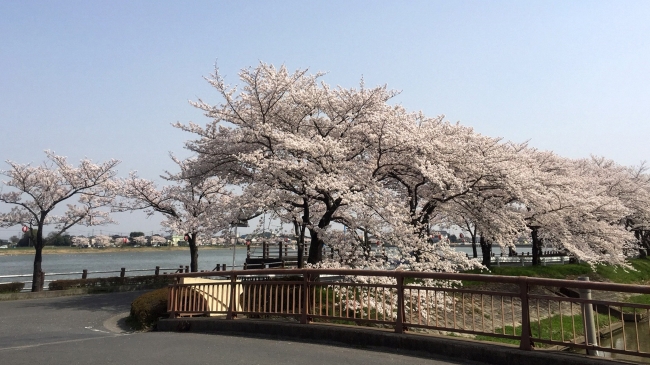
[524, 310]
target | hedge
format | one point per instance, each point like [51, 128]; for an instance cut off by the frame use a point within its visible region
[147, 308]
[14, 287]
[104, 283]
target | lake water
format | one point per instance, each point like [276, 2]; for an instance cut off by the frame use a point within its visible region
[113, 261]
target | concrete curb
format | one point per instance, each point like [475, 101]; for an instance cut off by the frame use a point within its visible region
[383, 340]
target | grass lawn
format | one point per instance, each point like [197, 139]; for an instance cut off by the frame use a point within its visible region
[572, 271]
[640, 299]
[637, 299]
[553, 326]
[557, 328]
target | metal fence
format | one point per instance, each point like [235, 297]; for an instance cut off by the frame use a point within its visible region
[84, 274]
[527, 260]
[532, 312]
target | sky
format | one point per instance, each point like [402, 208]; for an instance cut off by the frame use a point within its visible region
[106, 79]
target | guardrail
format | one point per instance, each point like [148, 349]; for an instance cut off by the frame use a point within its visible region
[522, 310]
[524, 260]
[84, 274]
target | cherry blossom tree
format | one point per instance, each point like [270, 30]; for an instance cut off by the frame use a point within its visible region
[158, 240]
[80, 241]
[311, 151]
[489, 219]
[35, 191]
[140, 240]
[630, 187]
[196, 206]
[317, 156]
[119, 241]
[567, 205]
[434, 166]
[302, 143]
[102, 240]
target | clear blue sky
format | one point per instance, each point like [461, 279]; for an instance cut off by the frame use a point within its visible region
[104, 79]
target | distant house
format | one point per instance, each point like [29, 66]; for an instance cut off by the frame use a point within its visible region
[177, 240]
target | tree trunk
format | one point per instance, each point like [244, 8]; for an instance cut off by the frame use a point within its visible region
[37, 276]
[366, 245]
[537, 247]
[300, 241]
[644, 242]
[474, 246]
[472, 232]
[315, 248]
[194, 253]
[317, 243]
[486, 250]
[301, 246]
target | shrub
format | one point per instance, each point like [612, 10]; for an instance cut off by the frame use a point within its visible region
[11, 287]
[147, 308]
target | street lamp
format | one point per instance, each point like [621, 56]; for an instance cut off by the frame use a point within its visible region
[238, 223]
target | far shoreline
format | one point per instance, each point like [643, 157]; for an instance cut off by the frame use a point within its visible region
[57, 250]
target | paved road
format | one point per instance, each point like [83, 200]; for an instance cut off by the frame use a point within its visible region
[85, 330]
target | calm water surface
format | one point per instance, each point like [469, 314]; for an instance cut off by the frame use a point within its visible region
[166, 259]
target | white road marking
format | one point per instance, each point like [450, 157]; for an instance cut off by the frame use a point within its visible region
[61, 342]
[96, 330]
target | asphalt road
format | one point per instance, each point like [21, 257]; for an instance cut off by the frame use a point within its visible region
[87, 330]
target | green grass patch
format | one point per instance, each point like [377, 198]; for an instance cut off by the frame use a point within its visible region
[557, 328]
[609, 273]
[639, 299]
[550, 271]
[619, 275]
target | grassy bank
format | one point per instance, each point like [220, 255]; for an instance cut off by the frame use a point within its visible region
[571, 271]
[557, 328]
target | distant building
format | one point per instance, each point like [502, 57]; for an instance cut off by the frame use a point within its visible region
[177, 240]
